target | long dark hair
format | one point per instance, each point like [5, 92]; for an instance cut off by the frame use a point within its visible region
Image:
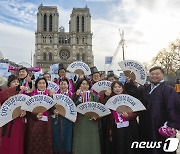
[47, 74]
[80, 82]
[39, 79]
[64, 79]
[119, 83]
[24, 68]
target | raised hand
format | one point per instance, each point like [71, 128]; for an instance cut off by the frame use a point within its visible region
[128, 79]
[56, 112]
[23, 88]
[51, 93]
[125, 114]
[23, 113]
[81, 76]
[28, 78]
[78, 91]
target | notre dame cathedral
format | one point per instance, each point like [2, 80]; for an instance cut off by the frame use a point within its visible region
[54, 45]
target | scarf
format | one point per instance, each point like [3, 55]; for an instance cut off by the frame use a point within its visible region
[68, 93]
[23, 82]
[85, 97]
[120, 120]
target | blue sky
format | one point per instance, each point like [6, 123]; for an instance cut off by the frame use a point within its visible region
[149, 26]
[14, 11]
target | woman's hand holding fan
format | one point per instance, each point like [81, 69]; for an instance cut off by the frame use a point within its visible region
[23, 113]
[78, 91]
[28, 78]
[56, 112]
[23, 88]
[51, 93]
[39, 115]
[93, 118]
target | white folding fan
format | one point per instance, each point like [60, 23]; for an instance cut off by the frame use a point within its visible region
[101, 86]
[38, 104]
[79, 66]
[65, 106]
[134, 70]
[11, 108]
[53, 86]
[93, 109]
[124, 103]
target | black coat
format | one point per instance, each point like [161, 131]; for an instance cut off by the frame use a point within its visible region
[122, 138]
[162, 105]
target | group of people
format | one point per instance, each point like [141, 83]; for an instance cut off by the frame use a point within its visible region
[51, 133]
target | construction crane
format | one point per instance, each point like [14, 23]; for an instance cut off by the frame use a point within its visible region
[120, 44]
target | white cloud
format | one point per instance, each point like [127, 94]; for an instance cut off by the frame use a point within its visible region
[16, 43]
[148, 25]
[64, 17]
[19, 13]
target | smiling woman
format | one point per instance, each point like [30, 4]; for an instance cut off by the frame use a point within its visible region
[39, 131]
[12, 137]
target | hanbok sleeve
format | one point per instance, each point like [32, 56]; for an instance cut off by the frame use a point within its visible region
[172, 102]
[102, 98]
[8, 92]
[75, 98]
[132, 89]
[94, 97]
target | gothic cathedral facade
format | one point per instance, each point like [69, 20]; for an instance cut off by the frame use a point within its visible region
[54, 45]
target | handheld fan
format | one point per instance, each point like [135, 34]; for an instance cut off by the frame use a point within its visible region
[134, 70]
[65, 106]
[38, 104]
[93, 109]
[79, 67]
[124, 103]
[53, 86]
[101, 86]
[11, 108]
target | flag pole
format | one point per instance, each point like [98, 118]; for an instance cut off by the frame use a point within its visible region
[122, 42]
[105, 69]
